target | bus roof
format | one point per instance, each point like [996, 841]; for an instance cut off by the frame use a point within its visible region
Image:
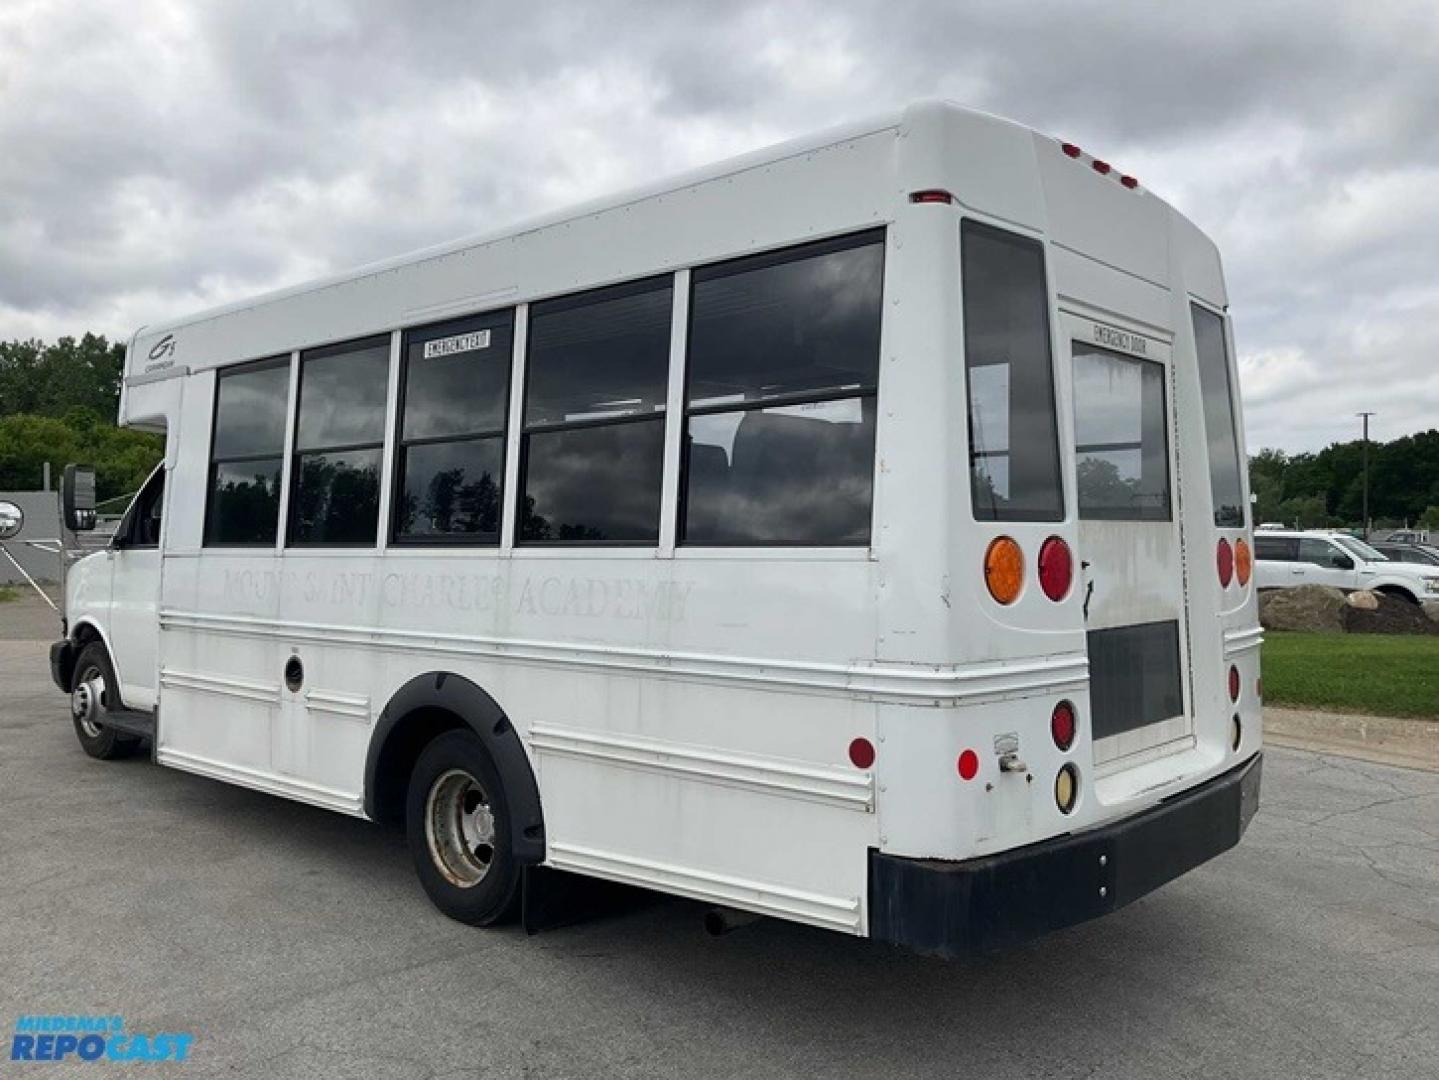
[151, 336]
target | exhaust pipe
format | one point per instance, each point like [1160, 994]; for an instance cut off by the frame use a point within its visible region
[722, 920]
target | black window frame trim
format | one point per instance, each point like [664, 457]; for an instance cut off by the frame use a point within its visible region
[1231, 382]
[572, 301]
[797, 252]
[1167, 421]
[402, 445]
[969, 220]
[322, 352]
[275, 360]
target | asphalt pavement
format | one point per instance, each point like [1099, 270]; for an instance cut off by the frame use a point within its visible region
[293, 942]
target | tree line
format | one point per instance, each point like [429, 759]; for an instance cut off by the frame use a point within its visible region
[58, 403]
[1326, 488]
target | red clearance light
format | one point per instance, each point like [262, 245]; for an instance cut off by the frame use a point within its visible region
[1233, 683]
[968, 765]
[1130, 182]
[1224, 561]
[1101, 167]
[1070, 149]
[1062, 725]
[1056, 568]
[933, 195]
[861, 753]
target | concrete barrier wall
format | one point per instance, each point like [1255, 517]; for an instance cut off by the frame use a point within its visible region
[42, 522]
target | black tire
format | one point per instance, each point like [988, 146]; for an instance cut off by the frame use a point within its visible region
[458, 826]
[97, 738]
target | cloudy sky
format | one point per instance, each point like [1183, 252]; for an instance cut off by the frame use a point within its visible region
[159, 156]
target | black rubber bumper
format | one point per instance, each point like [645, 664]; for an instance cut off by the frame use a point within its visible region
[957, 909]
[62, 663]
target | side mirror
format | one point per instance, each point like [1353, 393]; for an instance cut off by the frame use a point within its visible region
[12, 520]
[77, 498]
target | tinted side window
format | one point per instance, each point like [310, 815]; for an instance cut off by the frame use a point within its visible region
[1013, 440]
[450, 465]
[1120, 433]
[251, 403]
[339, 438]
[596, 374]
[1276, 548]
[1221, 431]
[1321, 552]
[782, 376]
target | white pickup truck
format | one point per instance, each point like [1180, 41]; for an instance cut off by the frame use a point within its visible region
[1283, 559]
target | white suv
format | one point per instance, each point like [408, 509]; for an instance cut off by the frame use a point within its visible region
[1283, 559]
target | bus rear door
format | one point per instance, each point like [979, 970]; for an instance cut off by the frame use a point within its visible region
[1129, 540]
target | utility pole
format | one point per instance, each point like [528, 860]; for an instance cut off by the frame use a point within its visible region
[1365, 525]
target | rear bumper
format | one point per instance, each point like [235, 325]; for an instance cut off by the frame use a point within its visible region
[955, 909]
[62, 663]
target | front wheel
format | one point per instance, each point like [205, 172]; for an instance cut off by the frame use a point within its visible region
[458, 826]
[92, 695]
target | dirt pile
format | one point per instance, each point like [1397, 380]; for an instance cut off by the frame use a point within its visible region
[1390, 616]
[1306, 607]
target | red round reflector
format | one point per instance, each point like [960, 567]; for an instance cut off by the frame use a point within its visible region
[1224, 559]
[968, 765]
[1056, 568]
[1233, 683]
[1062, 725]
[1070, 149]
[861, 753]
[1101, 167]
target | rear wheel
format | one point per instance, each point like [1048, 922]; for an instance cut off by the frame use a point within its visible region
[457, 824]
[92, 695]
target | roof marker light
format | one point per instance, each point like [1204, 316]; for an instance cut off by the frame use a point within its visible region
[931, 195]
[1070, 149]
[1101, 167]
[1130, 182]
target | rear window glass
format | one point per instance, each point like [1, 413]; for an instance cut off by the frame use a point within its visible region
[1225, 483]
[1121, 448]
[1013, 441]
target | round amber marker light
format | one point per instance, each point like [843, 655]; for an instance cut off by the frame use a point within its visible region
[1066, 789]
[1243, 561]
[1004, 569]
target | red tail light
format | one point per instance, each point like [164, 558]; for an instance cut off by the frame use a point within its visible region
[968, 765]
[1062, 725]
[1224, 560]
[1056, 568]
[1233, 683]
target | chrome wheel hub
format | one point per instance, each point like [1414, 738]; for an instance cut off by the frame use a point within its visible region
[87, 702]
[460, 828]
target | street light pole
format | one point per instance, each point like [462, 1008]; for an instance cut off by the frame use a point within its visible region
[1364, 526]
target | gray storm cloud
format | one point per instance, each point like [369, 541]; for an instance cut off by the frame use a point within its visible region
[160, 157]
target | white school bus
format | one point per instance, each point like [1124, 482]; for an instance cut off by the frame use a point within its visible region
[853, 532]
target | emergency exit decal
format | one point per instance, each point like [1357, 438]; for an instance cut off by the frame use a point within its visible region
[448, 346]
